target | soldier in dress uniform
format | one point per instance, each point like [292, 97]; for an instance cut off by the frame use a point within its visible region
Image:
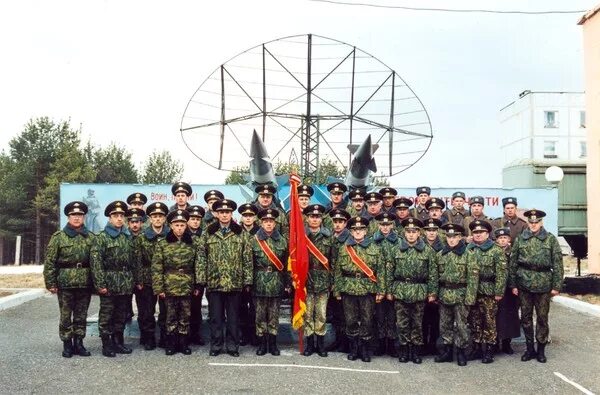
[510, 219]
[319, 280]
[492, 283]
[224, 269]
[385, 321]
[419, 211]
[194, 228]
[67, 274]
[357, 203]
[389, 195]
[476, 204]
[457, 213]
[182, 192]
[173, 280]
[247, 323]
[458, 281]
[271, 279]
[412, 281]
[114, 270]
[431, 315]
[359, 284]
[535, 276]
[210, 197]
[507, 319]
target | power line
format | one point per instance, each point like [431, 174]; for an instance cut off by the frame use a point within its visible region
[451, 10]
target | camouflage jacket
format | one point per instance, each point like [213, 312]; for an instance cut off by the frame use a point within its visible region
[454, 216]
[319, 278]
[387, 245]
[252, 231]
[281, 222]
[458, 275]
[349, 278]
[209, 219]
[536, 262]
[268, 281]
[173, 265]
[373, 224]
[113, 262]
[355, 213]
[67, 263]
[493, 269]
[224, 261]
[437, 245]
[145, 244]
[412, 272]
[338, 241]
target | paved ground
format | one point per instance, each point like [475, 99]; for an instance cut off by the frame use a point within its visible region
[30, 362]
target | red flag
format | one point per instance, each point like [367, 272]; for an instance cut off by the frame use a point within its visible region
[298, 254]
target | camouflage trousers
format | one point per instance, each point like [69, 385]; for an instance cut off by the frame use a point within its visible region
[358, 311]
[73, 305]
[267, 315]
[385, 319]
[145, 301]
[482, 320]
[409, 321]
[454, 327]
[179, 309]
[541, 303]
[315, 317]
[113, 314]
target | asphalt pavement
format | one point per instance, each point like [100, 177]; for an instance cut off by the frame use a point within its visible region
[31, 362]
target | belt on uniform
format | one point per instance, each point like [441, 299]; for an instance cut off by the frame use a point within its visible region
[355, 275]
[527, 266]
[180, 271]
[72, 265]
[453, 285]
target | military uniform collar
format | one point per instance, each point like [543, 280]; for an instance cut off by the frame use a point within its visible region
[513, 221]
[458, 249]
[150, 234]
[262, 235]
[392, 237]
[215, 227]
[365, 243]
[419, 245]
[456, 211]
[420, 208]
[253, 230]
[72, 232]
[322, 231]
[486, 245]
[437, 244]
[186, 238]
[343, 236]
[541, 235]
[114, 232]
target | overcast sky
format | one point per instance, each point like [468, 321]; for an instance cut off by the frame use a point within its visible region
[125, 70]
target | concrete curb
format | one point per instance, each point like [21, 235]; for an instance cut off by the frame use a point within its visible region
[23, 295]
[578, 305]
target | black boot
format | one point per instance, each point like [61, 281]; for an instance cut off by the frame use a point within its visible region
[273, 345]
[162, 340]
[142, 339]
[487, 353]
[415, 353]
[381, 345]
[321, 346]
[170, 345]
[352, 348]
[262, 345]
[79, 349]
[107, 346]
[530, 353]
[506, 348]
[445, 356]
[119, 344]
[183, 347]
[461, 358]
[541, 352]
[403, 355]
[309, 346]
[475, 352]
[365, 352]
[343, 346]
[150, 342]
[392, 349]
[67, 348]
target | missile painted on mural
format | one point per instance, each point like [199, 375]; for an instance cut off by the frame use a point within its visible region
[362, 164]
[261, 168]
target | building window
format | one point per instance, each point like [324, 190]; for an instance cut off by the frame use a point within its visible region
[582, 149]
[550, 149]
[582, 119]
[550, 119]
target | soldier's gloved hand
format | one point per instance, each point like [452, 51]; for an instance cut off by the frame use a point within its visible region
[103, 291]
[554, 293]
[431, 299]
[390, 297]
[378, 298]
[497, 298]
[515, 291]
[53, 290]
[162, 295]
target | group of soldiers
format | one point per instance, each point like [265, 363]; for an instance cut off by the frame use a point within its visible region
[389, 274]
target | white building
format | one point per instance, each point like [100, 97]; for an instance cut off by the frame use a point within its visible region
[544, 126]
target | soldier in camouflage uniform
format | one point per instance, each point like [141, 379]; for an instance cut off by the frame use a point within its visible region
[359, 284]
[431, 315]
[339, 218]
[173, 280]
[336, 195]
[458, 282]
[374, 202]
[305, 192]
[510, 219]
[137, 201]
[248, 221]
[211, 216]
[145, 297]
[385, 322]
[269, 257]
[411, 283]
[389, 195]
[224, 269]
[402, 205]
[492, 282]
[507, 319]
[458, 213]
[357, 203]
[420, 211]
[266, 199]
[182, 192]
[67, 274]
[535, 275]
[319, 280]
[434, 208]
[135, 218]
[476, 204]
[114, 270]
[247, 315]
[194, 228]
